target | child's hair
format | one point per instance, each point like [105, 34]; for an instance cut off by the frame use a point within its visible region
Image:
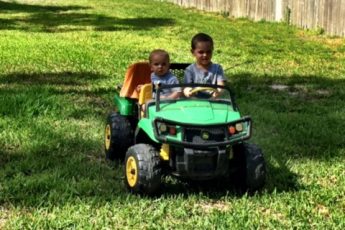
[201, 37]
[161, 52]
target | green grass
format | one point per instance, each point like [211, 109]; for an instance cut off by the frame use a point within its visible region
[59, 63]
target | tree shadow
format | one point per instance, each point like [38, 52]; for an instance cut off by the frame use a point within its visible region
[47, 78]
[14, 7]
[63, 156]
[41, 94]
[20, 7]
[55, 19]
[300, 105]
[279, 179]
[294, 117]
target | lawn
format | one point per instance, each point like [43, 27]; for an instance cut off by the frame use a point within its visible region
[59, 64]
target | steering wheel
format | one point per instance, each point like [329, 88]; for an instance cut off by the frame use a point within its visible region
[203, 89]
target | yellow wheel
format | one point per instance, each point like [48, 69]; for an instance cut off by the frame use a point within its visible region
[107, 137]
[118, 136]
[142, 169]
[131, 171]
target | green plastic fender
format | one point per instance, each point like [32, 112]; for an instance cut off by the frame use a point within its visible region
[124, 105]
[146, 126]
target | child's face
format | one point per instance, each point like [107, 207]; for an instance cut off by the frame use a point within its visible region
[159, 64]
[203, 53]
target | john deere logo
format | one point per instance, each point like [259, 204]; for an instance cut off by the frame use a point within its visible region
[205, 135]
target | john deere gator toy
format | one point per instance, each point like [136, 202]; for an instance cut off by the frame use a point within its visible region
[199, 138]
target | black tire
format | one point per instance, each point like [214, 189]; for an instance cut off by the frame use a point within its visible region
[142, 169]
[249, 166]
[118, 136]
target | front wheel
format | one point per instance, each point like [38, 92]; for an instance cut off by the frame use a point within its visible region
[142, 169]
[250, 166]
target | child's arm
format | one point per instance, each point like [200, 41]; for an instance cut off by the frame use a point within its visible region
[188, 79]
[221, 83]
[219, 90]
[220, 75]
[173, 95]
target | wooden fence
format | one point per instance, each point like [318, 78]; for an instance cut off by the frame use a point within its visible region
[328, 15]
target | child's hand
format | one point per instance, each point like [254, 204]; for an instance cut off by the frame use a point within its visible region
[215, 94]
[138, 88]
[187, 91]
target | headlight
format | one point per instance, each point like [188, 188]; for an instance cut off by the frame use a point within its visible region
[172, 130]
[231, 129]
[162, 127]
[236, 128]
[165, 129]
[239, 127]
[205, 135]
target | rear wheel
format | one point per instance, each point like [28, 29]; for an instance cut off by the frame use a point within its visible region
[249, 166]
[142, 169]
[118, 136]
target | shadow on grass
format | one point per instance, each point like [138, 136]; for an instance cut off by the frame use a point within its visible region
[51, 142]
[294, 118]
[14, 7]
[55, 19]
[304, 114]
[47, 78]
[64, 159]
[63, 95]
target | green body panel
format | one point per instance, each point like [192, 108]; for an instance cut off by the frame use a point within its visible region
[146, 125]
[195, 112]
[125, 106]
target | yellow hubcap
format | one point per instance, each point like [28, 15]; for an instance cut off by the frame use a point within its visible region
[107, 137]
[131, 171]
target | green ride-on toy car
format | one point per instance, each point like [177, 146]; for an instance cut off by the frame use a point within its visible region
[199, 138]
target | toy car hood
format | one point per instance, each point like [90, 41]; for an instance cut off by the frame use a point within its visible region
[196, 112]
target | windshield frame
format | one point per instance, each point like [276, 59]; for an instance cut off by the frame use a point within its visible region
[158, 87]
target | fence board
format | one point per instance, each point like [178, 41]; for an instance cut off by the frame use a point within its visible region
[326, 14]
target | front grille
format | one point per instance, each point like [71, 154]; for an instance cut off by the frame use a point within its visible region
[205, 163]
[194, 135]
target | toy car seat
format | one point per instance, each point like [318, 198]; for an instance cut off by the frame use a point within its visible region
[137, 74]
[144, 96]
